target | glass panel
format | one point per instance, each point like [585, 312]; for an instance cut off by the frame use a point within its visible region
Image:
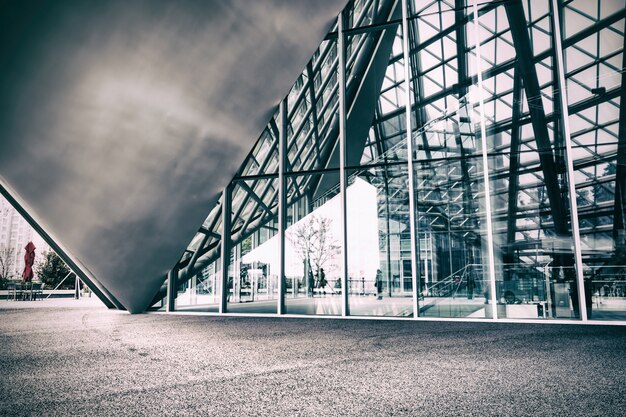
[593, 69]
[534, 255]
[254, 259]
[312, 113]
[363, 13]
[379, 69]
[449, 171]
[202, 291]
[379, 242]
[312, 245]
[263, 159]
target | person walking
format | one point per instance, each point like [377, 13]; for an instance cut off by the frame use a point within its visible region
[310, 283]
[379, 284]
[323, 281]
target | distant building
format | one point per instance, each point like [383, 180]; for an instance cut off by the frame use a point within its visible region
[15, 233]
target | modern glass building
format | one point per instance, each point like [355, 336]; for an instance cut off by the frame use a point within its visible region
[434, 159]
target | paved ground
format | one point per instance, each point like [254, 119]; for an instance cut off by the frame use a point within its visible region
[85, 360]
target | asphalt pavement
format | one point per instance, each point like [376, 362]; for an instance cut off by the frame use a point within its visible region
[79, 358]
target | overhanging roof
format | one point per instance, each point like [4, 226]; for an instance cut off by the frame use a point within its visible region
[122, 121]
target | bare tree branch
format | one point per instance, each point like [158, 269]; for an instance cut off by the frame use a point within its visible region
[313, 242]
[7, 261]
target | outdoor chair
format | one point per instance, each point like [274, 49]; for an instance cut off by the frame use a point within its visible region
[36, 290]
[19, 292]
[28, 293]
[11, 291]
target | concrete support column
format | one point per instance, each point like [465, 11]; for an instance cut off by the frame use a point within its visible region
[172, 285]
[341, 68]
[225, 248]
[282, 205]
[105, 296]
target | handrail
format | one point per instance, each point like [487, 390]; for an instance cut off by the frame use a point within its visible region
[60, 283]
[453, 275]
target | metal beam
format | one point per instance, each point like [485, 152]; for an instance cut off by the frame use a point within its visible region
[343, 121]
[184, 268]
[196, 254]
[514, 164]
[578, 292]
[208, 233]
[461, 44]
[225, 247]
[411, 180]
[172, 290]
[255, 197]
[468, 198]
[268, 158]
[619, 213]
[282, 206]
[485, 163]
[312, 99]
[521, 41]
[421, 117]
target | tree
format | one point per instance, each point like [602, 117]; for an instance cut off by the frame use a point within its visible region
[52, 270]
[314, 243]
[605, 191]
[7, 260]
[324, 246]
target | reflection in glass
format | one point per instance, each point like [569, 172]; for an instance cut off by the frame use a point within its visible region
[312, 245]
[594, 72]
[379, 251]
[451, 217]
[254, 257]
[521, 160]
[202, 292]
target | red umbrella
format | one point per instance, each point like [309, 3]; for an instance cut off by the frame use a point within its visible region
[29, 260]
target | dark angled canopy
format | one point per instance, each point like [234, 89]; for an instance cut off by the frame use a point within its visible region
[122, 121]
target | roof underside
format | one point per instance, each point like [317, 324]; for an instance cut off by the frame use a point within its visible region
[122, 121]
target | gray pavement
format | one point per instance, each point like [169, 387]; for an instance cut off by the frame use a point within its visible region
[77, 358]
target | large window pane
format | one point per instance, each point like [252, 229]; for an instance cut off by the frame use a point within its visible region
[254, 258]
[202, 292]
[312, 245]
[451, 201]
[379, 242]
[534, 245]
[593, 71]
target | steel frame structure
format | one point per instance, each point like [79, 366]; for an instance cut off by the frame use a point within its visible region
[524, 132]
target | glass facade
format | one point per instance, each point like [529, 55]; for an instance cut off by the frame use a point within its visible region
[497, 194]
